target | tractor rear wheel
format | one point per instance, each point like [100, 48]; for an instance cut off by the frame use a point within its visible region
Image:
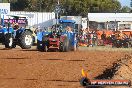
[61, 48]
[45, 48]
[39, 46]
[8, 41]
[75, 47]
[26, 40]
[42, 47]
[66, 46]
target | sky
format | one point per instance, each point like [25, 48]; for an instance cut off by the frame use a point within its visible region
[125, 2]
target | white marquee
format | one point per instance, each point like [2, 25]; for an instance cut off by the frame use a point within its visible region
[104, 17]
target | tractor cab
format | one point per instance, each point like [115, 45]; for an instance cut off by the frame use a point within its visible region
[62, 28]
[65, 24]
[16, 21]
[11, 23]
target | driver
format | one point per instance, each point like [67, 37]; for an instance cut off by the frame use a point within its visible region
[69, 29]
[15, 25]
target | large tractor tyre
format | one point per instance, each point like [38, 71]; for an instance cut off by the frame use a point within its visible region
[66, 46]
[34, 41]
[42, 48]
[61, 48]
[45, 48]
[39, 46]
[76, 44]
[14, 45]
[45, 43]
[26, 40]
[8, 41]
[75, 47]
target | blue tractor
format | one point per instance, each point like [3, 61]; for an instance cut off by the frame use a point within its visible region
[12, 34]
[59, 38]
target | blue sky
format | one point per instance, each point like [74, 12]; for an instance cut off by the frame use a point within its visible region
[125, 2]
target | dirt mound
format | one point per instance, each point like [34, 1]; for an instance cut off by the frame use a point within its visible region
[122, 69]
[125, 71]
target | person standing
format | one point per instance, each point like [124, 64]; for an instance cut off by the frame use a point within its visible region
[103, 37]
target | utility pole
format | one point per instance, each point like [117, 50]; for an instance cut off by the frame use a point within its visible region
[58, 3]
[131, 5]
[57, 11]
[40, 4]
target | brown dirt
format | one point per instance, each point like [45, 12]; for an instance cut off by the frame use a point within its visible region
[125, 71]
[34, 69]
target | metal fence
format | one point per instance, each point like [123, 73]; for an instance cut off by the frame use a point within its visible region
[37, 19]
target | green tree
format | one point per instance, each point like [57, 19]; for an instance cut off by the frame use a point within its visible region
[19, 5]
[70, 7]
[125, 9]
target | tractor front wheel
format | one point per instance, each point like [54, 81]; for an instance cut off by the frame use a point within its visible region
[8, 41]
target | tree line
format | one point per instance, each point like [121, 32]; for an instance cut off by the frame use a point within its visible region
[69, 7]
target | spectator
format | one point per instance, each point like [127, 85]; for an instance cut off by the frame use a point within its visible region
[103, 37]
[91, 37]
[88, 38]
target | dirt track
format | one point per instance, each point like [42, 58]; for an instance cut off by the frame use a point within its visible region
[33, 69]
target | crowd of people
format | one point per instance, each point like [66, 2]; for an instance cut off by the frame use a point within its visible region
[95, 37]
[87, 37]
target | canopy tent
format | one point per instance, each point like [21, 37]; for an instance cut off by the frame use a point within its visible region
[106, 17]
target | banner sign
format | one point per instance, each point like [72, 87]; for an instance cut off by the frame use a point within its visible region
[4, 8]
